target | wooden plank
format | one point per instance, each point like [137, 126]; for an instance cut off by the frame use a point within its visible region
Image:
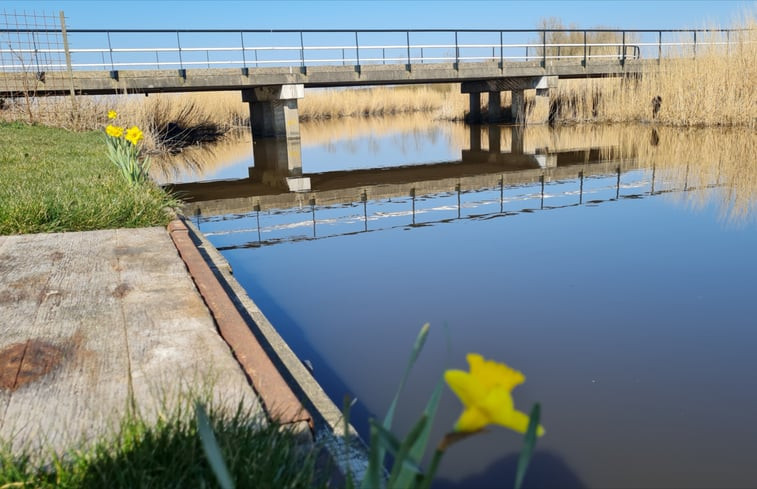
[174, 346]
[77, 345]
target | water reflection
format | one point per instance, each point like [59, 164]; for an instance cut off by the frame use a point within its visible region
[597, 260]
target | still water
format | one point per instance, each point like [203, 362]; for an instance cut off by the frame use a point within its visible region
[614, 266]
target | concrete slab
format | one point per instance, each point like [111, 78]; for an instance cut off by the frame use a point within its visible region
[88, 321]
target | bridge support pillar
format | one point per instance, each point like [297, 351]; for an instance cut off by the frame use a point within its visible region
[275, 125]
[495, 106]
[273, 111]
[474, 114]
[518, 106]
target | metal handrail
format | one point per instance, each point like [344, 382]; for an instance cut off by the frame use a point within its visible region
[358, 53]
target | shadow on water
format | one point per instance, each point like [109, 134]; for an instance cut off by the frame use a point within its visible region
[546, 471]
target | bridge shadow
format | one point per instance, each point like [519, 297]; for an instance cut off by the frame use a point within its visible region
[547, 471]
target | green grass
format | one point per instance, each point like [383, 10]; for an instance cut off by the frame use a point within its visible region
[168, 454]
[53, 180]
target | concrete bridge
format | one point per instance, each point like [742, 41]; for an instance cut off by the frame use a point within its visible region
[271, 68]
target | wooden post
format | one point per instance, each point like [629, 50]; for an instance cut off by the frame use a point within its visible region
[68, 64]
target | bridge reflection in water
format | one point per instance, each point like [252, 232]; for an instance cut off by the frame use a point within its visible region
[486, 182]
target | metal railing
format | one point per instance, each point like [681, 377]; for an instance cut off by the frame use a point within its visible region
[223, 48]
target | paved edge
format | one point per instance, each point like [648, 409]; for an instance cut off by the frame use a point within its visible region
[327, 421]
[278, 399]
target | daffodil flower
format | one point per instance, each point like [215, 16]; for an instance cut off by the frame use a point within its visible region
[114, 131]
[133, 135]
[112, 114]
[485, 394]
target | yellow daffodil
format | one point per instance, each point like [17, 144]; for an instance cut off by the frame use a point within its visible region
[485, 394]
[134, 135]
[112, 114]
[114, 131]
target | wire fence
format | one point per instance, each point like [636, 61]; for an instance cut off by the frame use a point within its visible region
[33, 43]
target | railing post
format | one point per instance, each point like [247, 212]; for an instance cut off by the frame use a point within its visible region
[728, 43]
[207, 57]
[357, 50]
[302, 51]
[343, 61]
[659, 47]
[408, 47]
[695, 43]
[457, 53]
[157, 60]
[110, 51]
[422, 55]
[244, 59]
[623, 56]
[383, 55]
[501, 53]
[182, 72]
[544, 49]
[527, 53]
[585, 60]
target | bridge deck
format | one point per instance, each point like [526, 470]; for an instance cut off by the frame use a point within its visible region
[219, 79]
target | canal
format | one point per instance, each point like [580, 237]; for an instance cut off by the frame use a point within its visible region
[613, 265]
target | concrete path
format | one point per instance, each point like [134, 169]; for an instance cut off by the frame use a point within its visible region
[89, 319]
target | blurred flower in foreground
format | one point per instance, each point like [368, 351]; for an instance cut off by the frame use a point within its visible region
[112, 114]
[485, 394]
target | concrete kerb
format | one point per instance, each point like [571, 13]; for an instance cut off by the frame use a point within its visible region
[328, 424]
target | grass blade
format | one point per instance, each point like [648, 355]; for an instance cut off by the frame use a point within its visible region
[420, 340]
[529, 441]
[212, 450]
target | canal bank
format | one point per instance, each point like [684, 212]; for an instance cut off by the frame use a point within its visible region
[94, 322]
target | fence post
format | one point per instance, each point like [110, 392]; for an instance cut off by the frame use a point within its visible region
[68, 63]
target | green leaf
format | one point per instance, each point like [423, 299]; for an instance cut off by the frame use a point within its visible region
[372, 478]
[377, 454]
[419, 447]
[402, 454]
[420, 340]
[212, 450]
[529, 441]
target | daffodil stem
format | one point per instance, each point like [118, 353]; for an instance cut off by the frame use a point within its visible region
[438, 454]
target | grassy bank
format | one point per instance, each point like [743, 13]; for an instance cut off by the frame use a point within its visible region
[168, 454]
[54, 180]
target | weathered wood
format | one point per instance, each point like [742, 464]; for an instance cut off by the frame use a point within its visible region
[173, 347]
[90, 319]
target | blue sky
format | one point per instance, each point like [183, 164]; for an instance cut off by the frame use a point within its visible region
[365, 14]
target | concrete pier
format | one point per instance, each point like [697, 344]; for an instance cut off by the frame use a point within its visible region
[273, 111]
[275, 126]
[520, 113]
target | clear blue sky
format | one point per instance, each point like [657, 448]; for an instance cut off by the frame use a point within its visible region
[357, 14]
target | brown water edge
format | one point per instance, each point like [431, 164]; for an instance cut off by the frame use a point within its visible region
[689, 157]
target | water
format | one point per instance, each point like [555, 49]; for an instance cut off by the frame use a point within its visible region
[622, 286]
